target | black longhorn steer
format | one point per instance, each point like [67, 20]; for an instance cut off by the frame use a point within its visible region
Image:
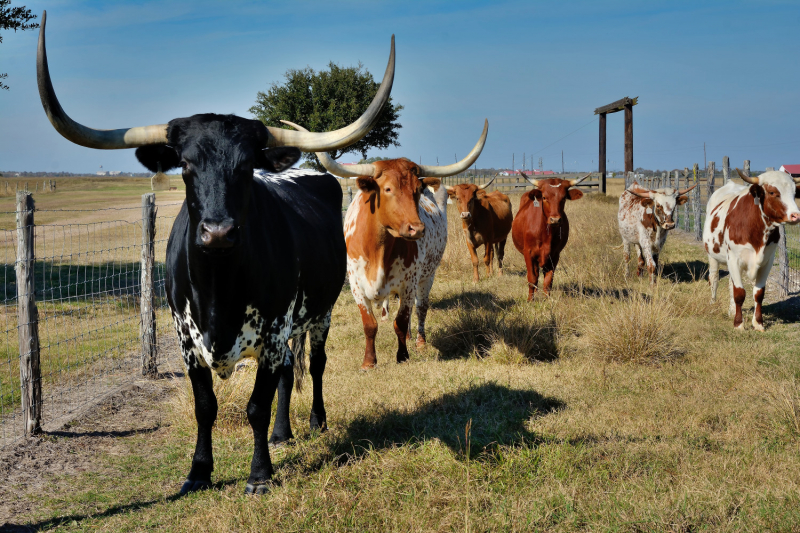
[252, 260]
[251, 263]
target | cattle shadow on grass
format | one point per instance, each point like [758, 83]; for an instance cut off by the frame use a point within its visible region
[784, 311]
[484, 332]
[685, 271]
[499, 416]
[577, 290]
[472, 299]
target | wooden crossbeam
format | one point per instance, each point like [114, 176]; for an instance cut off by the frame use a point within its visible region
[619, 105]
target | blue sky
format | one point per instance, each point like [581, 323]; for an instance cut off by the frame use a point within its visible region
[723, 73]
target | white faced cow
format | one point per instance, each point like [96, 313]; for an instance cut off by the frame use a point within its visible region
[742, 231]
[645, 217]
[396, 232]
[251, 261]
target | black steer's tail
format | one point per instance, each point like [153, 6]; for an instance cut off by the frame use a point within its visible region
[298, 347]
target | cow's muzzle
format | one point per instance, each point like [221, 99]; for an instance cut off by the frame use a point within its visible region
[668, 225]
[554, 221]
[412, 232]
[215, 236]
[465, 214]
[794, 218]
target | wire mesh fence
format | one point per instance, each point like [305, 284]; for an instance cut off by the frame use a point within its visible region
[86, 280]
[691, 216]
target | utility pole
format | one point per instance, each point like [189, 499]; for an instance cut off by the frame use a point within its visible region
[562, 161]
[512, 162]
[541, 165]
[523, 160]
[705, 160]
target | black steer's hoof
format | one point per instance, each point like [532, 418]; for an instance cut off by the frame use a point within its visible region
[257, 489]
[191, 485]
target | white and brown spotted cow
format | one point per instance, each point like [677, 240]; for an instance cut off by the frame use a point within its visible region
[396, 231]
[645, 217]
[742, 231]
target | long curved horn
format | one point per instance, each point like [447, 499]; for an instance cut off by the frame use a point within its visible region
[576, 181]
[747, 179]
[157, 134]
[455, 168]
[649, 194]
[349, 171]
[333, 140]
[488, 182]
[533, 182]
[78, 133]
[680, 193]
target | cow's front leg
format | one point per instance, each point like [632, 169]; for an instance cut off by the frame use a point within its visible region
[488, 256]
[473, 255]
[501, 252]
[626, 253]
[258, 413]
[205, 411]
[758, 295]
[646, 259]
[654, 272]
[549, 269]
[401, 322]
[316, 367]
[282, 429]
[737, 292]
[640, 261]
[370, 332]
[422, 304]
[532, 266]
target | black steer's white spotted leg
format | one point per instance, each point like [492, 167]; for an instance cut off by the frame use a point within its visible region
[282, 430]
[205, 410]
[258, 413]
[318, 360]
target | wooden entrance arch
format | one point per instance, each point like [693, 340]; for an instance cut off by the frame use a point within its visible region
[626, 104]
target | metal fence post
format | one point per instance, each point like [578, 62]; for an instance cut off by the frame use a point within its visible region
[147, 330]
[783, 262]
[28, 318]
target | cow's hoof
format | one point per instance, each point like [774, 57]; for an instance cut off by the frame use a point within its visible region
[402, 358]
[191, 485]
[257, 489]
[740, 327]
[758, 327]
[318, 423]
[367, 367]
[421, 344]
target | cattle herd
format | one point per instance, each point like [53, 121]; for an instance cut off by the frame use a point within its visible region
[258, 256]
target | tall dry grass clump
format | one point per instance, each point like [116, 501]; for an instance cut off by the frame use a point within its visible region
[634, 329]
[232, 397]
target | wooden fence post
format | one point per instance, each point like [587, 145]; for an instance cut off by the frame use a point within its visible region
[746, 168]
[710, 175]
[726, 170]
[28, 318]
[783, 263]
[349, 196]
[147, 330]
[698, 230]
[686, 205]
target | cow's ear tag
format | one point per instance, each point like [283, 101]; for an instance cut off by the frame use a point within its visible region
[755, 200]
[535, 202]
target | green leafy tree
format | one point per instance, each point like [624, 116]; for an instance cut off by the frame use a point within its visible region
[14, 18]
[372, 160]
[328, 100]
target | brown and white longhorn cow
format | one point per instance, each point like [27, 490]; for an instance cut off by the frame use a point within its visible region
[396, 231]
[486, 220]
[645, 217]
[742, 232]
[541, 229]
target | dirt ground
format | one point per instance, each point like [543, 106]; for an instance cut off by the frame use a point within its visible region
[43, 464]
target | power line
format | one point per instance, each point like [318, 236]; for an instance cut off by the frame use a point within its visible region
[564, 137]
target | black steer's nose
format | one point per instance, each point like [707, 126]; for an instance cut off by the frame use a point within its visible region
[218, 235]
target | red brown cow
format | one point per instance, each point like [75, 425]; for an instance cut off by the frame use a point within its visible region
[541, 229]
[486, 220]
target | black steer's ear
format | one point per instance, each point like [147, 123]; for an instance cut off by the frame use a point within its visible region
[278, 159]
[152, 154]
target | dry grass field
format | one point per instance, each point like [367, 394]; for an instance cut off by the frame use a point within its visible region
[610, 406]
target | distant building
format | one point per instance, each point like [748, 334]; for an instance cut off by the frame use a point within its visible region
[794, 170]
